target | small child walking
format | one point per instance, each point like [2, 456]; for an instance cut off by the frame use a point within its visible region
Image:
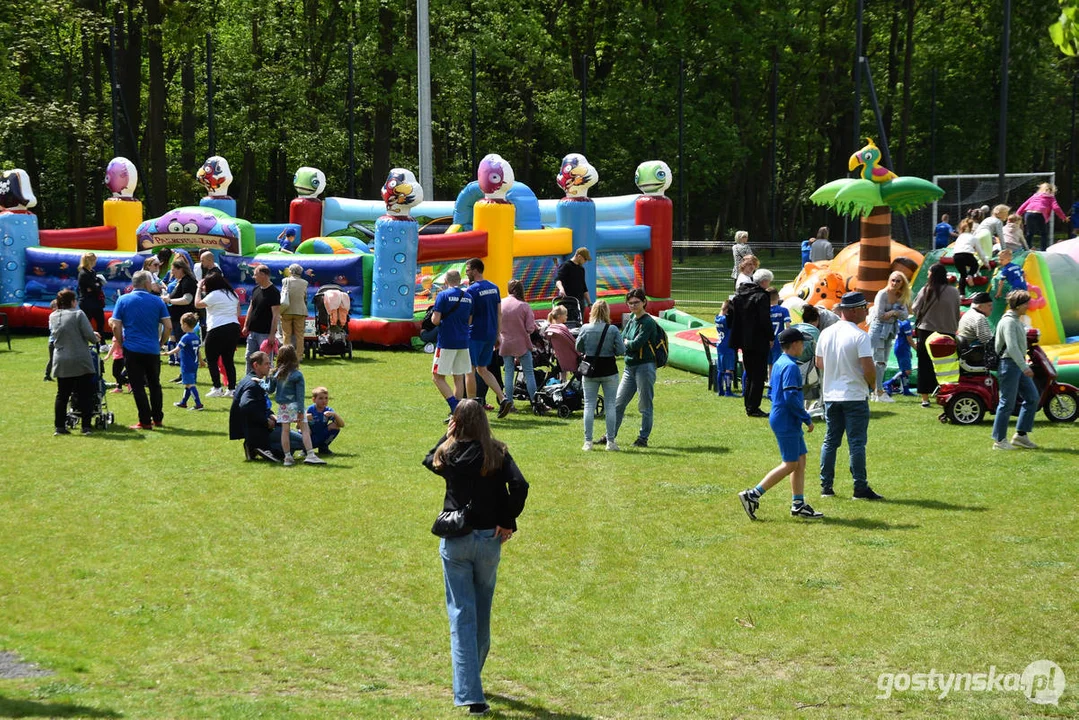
[290, 405]
[904, 341]
[119, 372]
[188, 350]
[725, 360]
[786, 418]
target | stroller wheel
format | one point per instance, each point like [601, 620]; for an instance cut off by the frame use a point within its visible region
[564, 411]
[599, 407]
[110, 419]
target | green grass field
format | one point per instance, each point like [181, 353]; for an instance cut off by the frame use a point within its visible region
[160, 576]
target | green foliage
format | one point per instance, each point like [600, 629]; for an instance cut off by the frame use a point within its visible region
[1065, 31]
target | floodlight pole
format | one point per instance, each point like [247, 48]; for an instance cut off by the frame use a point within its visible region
[1006, 37]
[423, 51]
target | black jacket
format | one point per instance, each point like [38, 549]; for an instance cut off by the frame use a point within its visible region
[249, 415]
[748, 318]
[497, 499]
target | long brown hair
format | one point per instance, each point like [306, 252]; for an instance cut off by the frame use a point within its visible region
[287, 361]
[470, 424]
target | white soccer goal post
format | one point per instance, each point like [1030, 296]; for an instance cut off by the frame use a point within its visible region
[962, 192]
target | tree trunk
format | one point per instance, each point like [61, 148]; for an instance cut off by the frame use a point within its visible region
[156, 131]
[188, 152]
[908, 61]
[875, 252]
[383, 111]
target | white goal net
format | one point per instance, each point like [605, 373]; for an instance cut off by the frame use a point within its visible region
[963, 192]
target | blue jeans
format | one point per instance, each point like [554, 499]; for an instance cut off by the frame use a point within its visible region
[470, 568]
[254, 342]
[639, 378]
[852, 417]
[526, 369]
[592, 386]
[1014, 383]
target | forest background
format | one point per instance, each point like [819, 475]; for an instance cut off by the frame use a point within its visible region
[280, 77]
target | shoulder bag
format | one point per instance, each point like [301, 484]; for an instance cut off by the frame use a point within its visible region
[593, 366]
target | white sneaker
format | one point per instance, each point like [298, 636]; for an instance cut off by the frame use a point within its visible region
[873, 397]
[429, 348]
[1003, 445]
[227, 393]
[216, 392]
[612, 445]
[313, 459]
[885, 398]
[1023, 441]
[289, 460]
[587, 445]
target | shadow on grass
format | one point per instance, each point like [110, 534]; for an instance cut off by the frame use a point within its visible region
[1059, 451]
[174, 430]
[865, 523]
[522, 709]
[936, 505]
[29, 708]
[878, 413]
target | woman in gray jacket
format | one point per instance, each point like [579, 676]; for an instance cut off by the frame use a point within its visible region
[72, 364]
[1015, 375]
[600, 342]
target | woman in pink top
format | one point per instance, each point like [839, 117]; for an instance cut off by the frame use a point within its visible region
[515, 343]
[562, 342]
[1035, 212]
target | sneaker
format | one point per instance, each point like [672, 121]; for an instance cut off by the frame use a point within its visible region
[602, 440]
[804, 510]
[867, 494]
[86, 431]
[313, 459]
[479, 709]
[640, 442]
[198, 407]
[1023, 441]
[587, 445]
[62, 431]
[159, 423]
[182, 406]
[613, 446]
[117, 390]
[266, 455]
[758, 413]
[827, 492]
[429, 348]
[885, 398]
[488, 407]
[926, 403]
[873, 397]
[216, 392]
[177, 379]
[228, 393]
[47, 378]
[140, 426]
[749, 503]
[505, 408]
[1003, 445]
[289, 460]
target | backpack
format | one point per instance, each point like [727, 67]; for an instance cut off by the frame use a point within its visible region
[660, 346]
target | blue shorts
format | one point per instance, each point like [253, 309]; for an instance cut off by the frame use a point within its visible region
[791, 447]
[904, 363]
[188, 378]
[480, 351]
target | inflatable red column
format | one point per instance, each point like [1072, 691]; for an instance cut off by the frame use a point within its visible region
[656, 211]
[307, 213]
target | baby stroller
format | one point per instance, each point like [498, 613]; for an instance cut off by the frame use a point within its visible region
[331, 323]
[102, 418]
[541, 367]
[567, 398]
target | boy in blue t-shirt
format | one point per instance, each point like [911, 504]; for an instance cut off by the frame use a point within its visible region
[324, 422]
[1009, 272]
[786, 418]
[904, 341]
[943, 233]
[188, 350]
[781, 320]
[725, 359]
[807, 246]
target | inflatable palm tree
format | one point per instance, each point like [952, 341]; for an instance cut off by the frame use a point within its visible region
[873, 195]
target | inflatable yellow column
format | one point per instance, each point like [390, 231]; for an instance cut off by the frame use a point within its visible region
[497, 218]
[125, 216]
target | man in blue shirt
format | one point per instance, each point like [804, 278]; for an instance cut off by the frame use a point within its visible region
[452, 317]
[484, 331]
[943, 233]
[140, 319]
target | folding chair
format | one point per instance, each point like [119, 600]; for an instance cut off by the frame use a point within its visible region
[712, 377]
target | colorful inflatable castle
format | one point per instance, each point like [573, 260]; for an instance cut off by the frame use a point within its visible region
[391, 271]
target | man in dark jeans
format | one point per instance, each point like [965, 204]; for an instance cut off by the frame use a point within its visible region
[751, 332]
[264, 312]
[140, 320]
[252, 420]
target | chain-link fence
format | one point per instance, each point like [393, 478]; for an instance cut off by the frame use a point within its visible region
[701, 275]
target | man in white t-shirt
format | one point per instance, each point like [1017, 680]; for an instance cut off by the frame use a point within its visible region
[845, 359]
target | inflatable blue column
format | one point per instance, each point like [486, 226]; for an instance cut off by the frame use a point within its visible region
[579, 215]
[224, 203]
[393, 282]
[18, 231]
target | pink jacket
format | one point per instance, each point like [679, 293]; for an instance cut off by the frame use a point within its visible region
[518, 322]
[1043, 203]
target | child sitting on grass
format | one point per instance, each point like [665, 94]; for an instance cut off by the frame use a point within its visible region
[786, 418]
[188, 350]
[290, 396]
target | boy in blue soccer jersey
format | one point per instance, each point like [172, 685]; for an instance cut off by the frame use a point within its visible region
[188, 350]
[725, 359]
[904, 341]
[1009, 272]
[781, 320]
[786, 418]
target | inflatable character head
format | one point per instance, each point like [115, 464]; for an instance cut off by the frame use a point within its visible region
[309, 182]
[15, 191]
[401, 192]
[818, 284]
[121, 177]
[495, 177]
[576, 175]
[653, 177]
[216, 176]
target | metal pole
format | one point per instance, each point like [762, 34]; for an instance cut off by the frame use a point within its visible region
[584, 104]
[1006, 38]
[475, 115]
[858, 75]
[423, 49]
[1071, 142]
[351, 124]
[681, 159]
[886, 156]
[933, 128]
[211, 132]
[114, 86]
[775, 122]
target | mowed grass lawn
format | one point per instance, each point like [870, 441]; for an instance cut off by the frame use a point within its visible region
[160, 576]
